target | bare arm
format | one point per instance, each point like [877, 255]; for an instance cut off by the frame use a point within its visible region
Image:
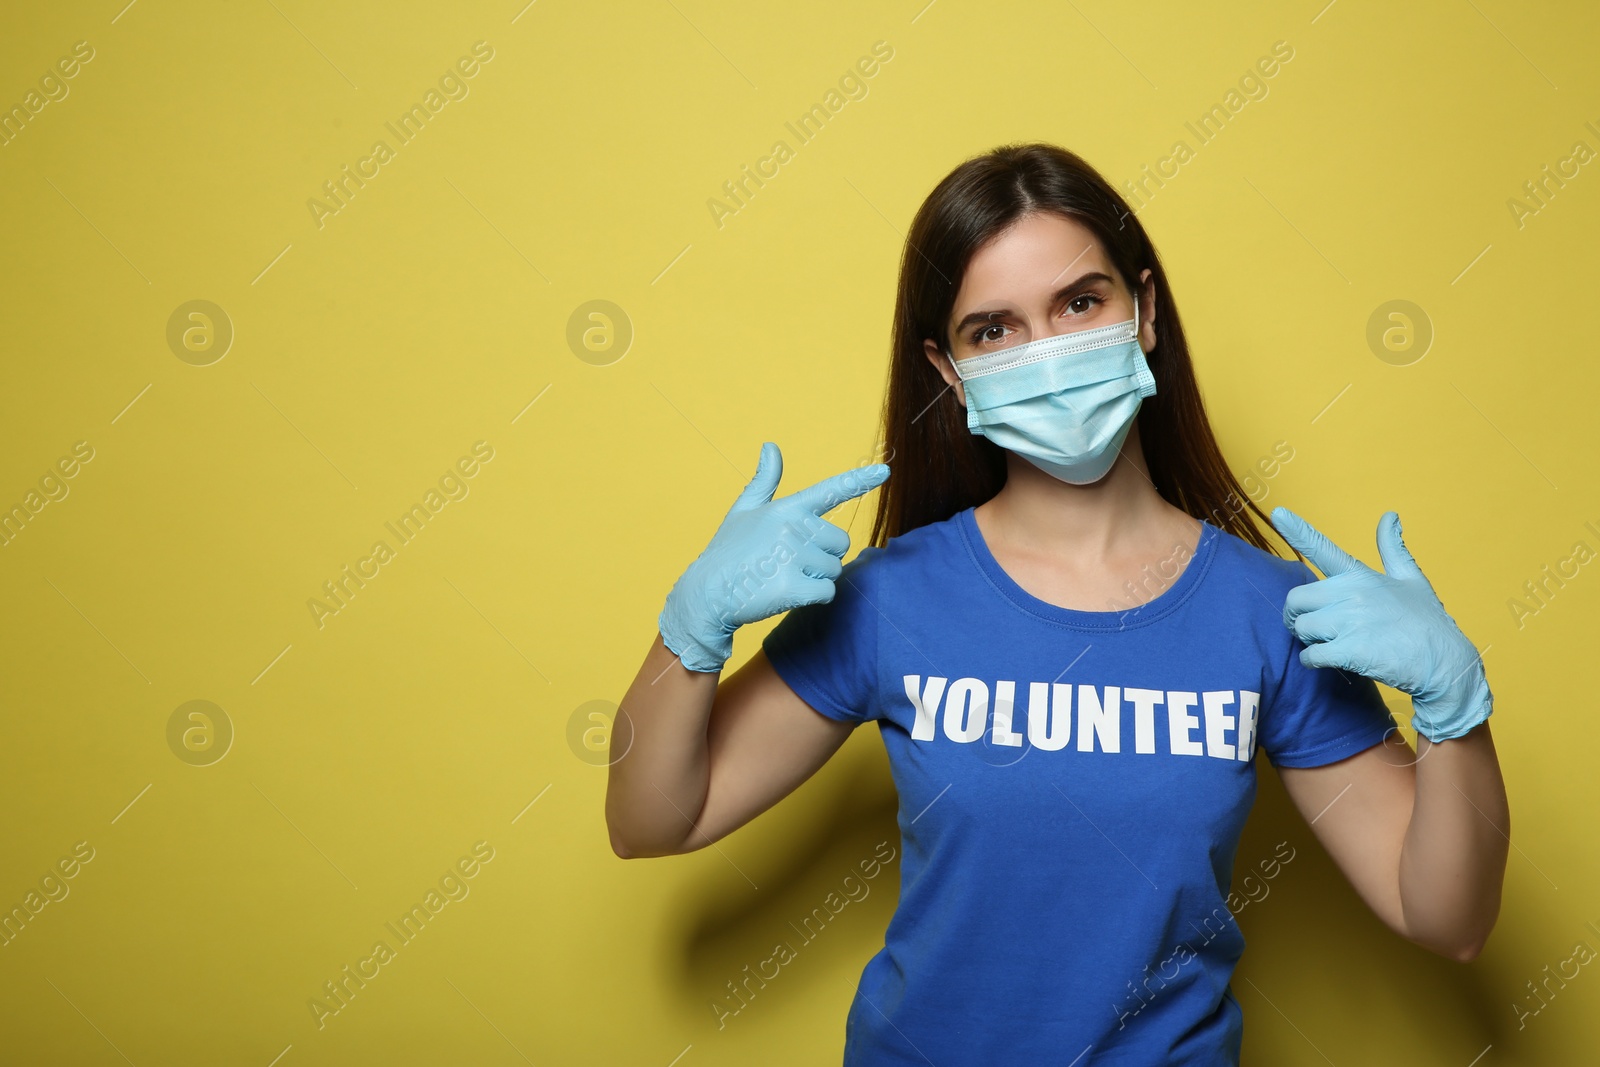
[1423, 840]
[693, 760]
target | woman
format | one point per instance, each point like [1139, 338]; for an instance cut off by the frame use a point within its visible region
[1073, 638]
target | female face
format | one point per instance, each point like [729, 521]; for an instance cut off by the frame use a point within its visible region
[1045, 275]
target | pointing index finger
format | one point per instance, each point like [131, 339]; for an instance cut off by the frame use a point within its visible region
[1328, 557]
[829, 493]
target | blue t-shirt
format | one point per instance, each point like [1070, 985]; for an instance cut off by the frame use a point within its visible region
[1072, 785]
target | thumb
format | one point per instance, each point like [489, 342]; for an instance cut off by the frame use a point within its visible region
[769, 471]
[1396, 557]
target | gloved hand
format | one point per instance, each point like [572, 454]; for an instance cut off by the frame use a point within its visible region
[767, 557]
[1390, 627]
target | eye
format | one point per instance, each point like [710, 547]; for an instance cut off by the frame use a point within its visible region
[981, 334]
[1081, 297]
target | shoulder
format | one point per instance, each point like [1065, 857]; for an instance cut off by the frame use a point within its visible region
[1250, 592]
[903, 554]
[1272, 574]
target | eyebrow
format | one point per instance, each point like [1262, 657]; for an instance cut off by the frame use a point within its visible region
[1069, 289]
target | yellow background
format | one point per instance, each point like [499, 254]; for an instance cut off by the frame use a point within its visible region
[370, 353]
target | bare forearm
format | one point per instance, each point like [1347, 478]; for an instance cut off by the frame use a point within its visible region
[659, 768]
[1453, 861]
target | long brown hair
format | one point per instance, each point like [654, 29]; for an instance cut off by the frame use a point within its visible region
[943, 468]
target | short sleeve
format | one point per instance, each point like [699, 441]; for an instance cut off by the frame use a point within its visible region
[828, 652]
[1321, 715]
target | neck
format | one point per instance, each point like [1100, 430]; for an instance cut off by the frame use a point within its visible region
[1037, 512]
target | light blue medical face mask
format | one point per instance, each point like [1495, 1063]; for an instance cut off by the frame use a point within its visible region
[1063, 403]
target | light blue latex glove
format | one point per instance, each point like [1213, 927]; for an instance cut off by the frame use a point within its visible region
[767, 557]
[1390, 627]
